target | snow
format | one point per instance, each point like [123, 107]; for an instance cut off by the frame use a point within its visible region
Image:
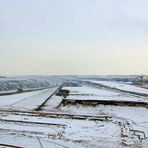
[28, 129]
[29, 142]
[26, 101]
[136, 115]
[73, 130]
[109, 98]
[33, 102]
[91, 93]
[53, 103]
[123, 87]
[73, 125]
[11, 99]
[29, 82]
[31, 118]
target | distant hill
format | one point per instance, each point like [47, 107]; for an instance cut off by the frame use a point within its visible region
[2, 77]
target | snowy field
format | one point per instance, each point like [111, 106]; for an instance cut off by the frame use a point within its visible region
[92, 93]
[124, 87]
[91, 114]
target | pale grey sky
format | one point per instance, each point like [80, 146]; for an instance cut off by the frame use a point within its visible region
[73, 36]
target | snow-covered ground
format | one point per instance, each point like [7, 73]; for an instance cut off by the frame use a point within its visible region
[53, 103]
[138, 115]
[36, 142]
[135, 118]
[76, 131]
[33, 102]
[8, 100]
[123, 87]
[26, 101]
[92, 93]
[62, 122]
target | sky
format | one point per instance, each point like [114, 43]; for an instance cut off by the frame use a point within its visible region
[101, 37]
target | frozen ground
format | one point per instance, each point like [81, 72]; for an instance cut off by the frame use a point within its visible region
[84, 117]
[92, 93]
[123, 87]
[26, 101]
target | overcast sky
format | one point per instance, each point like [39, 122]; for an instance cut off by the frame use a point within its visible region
[73, 36]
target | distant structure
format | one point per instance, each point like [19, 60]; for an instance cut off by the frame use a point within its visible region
[139, 80]
[20, 89]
